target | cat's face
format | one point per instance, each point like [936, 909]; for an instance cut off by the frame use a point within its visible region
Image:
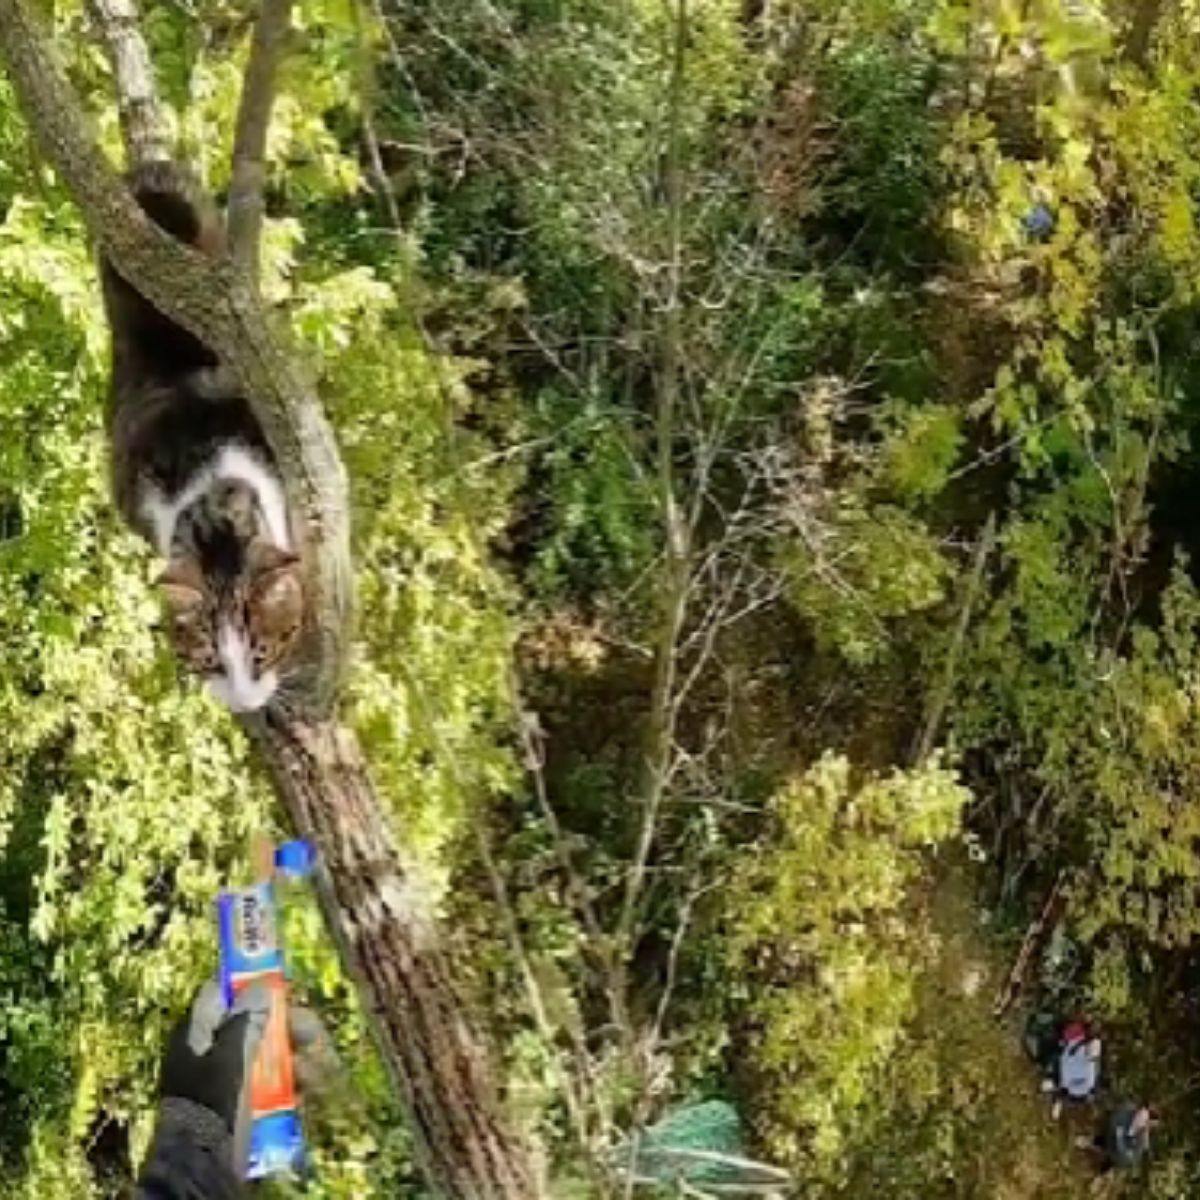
[238, 636]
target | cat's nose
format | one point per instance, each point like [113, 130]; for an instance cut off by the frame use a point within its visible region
[240, 687]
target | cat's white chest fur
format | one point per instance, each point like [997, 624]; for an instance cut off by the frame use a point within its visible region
[236, 684]
[234, 464]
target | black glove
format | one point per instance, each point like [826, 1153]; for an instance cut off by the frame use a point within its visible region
[202, 1139]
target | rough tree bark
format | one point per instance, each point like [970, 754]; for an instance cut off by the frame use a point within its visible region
[433, 1049]
[142, 123]
[443, 1074]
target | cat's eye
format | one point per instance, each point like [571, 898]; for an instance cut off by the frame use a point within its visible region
[275, 606]
[201, 660]
[202, 657]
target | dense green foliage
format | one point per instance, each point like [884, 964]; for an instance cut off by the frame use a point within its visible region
[846, 858]
[742, 402]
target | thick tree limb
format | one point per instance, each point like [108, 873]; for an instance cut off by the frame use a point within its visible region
[1030, 943]
[143, 122]
[245, 209]
[424, 1030]
[439, 1063]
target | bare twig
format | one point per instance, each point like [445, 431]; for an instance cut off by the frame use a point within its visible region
[1015, 978]
[677, 940]
[245, 211]
[676, 566]
[143, 122]
[577, 1110]
[584, 1106]
[645, 1097]
[941, 696]
[392, 48]
[369, 87]
[382, 180]
[527, 729]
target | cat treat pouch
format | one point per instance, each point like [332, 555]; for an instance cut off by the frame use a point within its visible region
[252, 952]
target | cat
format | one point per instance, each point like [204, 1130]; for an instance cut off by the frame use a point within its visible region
[192, 472]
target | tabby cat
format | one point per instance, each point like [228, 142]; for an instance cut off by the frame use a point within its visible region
[193, 473]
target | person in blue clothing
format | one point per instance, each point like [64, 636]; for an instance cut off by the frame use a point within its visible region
[1078, 1066]
[1072, 1069]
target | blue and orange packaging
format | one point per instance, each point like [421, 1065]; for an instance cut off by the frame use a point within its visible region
[252, 952]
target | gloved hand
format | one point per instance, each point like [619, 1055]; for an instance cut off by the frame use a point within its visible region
[210, 1055]
[201, 1140]
[201, 1144]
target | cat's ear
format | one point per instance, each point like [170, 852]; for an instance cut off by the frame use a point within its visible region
[181, 586]
[277, 597]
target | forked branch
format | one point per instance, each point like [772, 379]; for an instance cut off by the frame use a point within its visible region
[245, 210]
[143, 121]
[677, 564]
[209, 298]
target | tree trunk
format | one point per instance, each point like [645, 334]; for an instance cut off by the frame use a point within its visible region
[142, 126]
[439, 1063]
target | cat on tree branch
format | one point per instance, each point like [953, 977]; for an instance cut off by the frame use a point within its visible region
[222, 458]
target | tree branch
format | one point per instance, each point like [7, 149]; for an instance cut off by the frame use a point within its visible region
[940, 697]
[245, 208]
[143, 121]
[368, 90]
[677, 562]
[429, 1041]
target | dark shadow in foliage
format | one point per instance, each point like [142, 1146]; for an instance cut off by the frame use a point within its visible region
[109, 1156]
[593, 721]
[1173, 492]
[33, 1077]
[880, 190]
[12, 521]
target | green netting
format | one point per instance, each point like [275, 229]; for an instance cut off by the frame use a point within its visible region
[701, 1145]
